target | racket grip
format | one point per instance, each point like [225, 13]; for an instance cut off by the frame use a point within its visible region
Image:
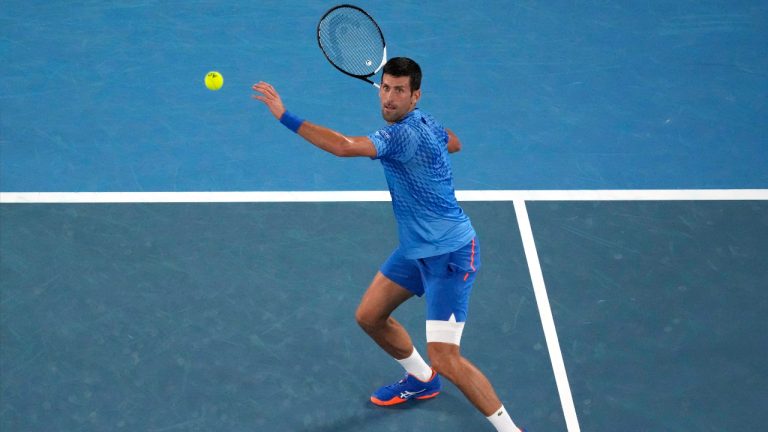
[291, 121]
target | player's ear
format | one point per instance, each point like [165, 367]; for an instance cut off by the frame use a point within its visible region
[415, 96]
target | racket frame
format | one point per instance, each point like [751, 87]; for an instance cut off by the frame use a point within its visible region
[383, 41]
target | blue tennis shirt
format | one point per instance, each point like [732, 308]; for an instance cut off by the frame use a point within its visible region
[414, 155]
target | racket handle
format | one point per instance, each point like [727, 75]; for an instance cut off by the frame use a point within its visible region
[376, 85]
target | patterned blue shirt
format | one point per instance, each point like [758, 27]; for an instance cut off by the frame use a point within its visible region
[414, 154]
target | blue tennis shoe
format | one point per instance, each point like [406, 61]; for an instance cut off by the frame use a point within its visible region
[407, 388]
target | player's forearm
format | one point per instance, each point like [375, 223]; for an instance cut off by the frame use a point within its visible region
[328, 139]
[324, 138]
[320, 136]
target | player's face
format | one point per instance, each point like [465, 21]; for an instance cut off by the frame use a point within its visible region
[396, 97]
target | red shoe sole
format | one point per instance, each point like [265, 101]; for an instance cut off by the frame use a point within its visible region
[398, 401]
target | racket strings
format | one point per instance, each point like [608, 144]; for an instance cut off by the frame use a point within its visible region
[351, 41]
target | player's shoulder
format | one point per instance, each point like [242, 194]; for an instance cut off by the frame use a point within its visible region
[414, 121]
[418, 115]
[424, 117]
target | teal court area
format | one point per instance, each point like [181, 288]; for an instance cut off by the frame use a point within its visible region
[240, 316]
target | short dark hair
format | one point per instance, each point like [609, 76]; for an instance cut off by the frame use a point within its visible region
[403, 66]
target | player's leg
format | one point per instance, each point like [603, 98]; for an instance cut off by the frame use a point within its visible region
[373, 315]
[398, 280]
[448, 361]
[448, 283]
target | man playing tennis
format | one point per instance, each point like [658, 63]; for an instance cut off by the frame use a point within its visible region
[439, 254]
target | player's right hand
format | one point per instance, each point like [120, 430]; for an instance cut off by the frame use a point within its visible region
[270, 97]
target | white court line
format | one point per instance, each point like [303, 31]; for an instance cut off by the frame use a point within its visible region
[374, 196]
[191, 197]
[615, 195]
[547, 321]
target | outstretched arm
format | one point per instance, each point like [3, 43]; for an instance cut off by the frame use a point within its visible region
[322, 137]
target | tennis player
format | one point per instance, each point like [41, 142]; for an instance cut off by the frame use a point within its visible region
[439, 253]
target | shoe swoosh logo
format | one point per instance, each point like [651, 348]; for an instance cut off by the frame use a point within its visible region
[407, 394]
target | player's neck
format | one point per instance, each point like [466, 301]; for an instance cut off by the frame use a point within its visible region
[404, 116]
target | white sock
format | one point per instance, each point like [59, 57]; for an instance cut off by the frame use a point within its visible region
[416, 366]
[502, 421]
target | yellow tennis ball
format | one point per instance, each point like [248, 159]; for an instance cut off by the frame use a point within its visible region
[214, 80]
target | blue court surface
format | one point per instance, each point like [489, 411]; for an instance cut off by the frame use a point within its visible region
[173, 259]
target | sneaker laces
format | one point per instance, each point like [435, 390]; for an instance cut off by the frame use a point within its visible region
[402, 381]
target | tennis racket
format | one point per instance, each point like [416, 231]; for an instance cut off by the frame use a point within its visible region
[352, 41]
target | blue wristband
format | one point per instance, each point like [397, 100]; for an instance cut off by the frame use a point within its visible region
[291, 121]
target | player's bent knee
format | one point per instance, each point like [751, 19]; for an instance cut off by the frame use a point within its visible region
[445, 367]
[363, 320]
[445, 362]
[369, 322]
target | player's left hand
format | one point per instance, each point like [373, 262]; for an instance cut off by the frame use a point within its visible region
[270, 97]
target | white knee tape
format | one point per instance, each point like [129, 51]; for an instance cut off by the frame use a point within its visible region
[444, 331]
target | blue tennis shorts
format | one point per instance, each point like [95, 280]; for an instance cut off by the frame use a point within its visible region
[445, 279]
